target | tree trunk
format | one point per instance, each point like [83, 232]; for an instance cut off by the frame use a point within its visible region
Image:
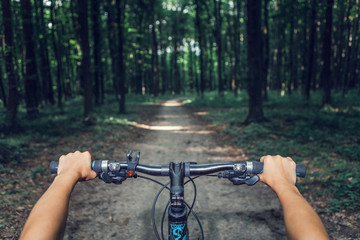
[310, 62]
[291, 48]
[217, 32]
[120, 6]
[85, 62]
[353, 74]
[57, 53]
[255, 61]
[266, 48]
[113, 45]
[326, 55]
[339, 45]
[2, 87]
[348, 50]
[48, 93]
[30, 70]
[11, 110]
[201, 47]
[191, 67]
[154, 55]
[97, 49]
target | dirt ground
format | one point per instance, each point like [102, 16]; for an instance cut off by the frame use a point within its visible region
[172, 134]
[168, 132]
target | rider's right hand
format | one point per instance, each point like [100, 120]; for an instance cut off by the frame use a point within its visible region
[279, 172]
[77, 166]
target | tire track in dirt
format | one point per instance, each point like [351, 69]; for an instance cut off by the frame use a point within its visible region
[104, 211]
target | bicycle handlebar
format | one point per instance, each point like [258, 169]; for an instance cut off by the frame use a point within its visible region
[191, 169]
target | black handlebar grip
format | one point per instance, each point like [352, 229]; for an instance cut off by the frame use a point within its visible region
[257, 167]
[95, 165]
[300, 169]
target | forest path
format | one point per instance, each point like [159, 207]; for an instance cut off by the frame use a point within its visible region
[172, 133]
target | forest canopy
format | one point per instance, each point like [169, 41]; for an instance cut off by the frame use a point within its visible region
[55, 50]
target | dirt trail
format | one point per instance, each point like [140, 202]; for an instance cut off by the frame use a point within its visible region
[103, 211]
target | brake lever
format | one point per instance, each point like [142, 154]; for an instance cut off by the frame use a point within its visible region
[116, 177]
[238, 178]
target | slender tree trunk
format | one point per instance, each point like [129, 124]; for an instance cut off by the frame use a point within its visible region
[237, 48]
[197, 88]
[97, 49]
[2, 87]
[310, 66]
[11, 110]
[291, 48]
[353, 74]
[139, 57]
[326, 55]
[339, 44]
[217, 32]
[266, 48]
[255, 61]
[201, 46]
[85, 62]
[348, 50]
[154, 55]
[190, 67]
[113, 45]
[48, 92]
[163, 62]
[30, 70]
[57, 53]
[120, 6]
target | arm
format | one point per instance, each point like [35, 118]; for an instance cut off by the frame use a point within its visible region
[301, 221]
[47, 219]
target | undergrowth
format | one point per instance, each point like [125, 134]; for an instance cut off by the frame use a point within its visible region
[54, 123]
[327, 140]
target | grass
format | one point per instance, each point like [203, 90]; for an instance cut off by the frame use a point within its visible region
[54, 123]
[327, 140]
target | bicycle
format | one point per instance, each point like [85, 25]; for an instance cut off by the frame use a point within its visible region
[243, 172]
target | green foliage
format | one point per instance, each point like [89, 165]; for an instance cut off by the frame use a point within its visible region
[343, 183]
[11, 150]
[327, 139]
[39, 170]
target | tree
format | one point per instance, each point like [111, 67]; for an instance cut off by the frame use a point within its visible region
[30, 69]
[154, 55]
[97, 51]
[11, 110]
[58, 53]
[266, 48]
[2, 87]
[120, 7]
[217, 33]
[310, 62]
[326, 55]
[201, 46]
[85, 62]
[47, 85]
[255, 61]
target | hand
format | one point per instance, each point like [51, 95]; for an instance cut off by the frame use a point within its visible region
[278, 172]
[76, 165]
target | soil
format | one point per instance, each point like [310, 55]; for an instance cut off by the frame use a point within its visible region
[168, 132]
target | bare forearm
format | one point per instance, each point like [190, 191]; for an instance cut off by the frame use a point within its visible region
[301, 220]
[50, 212]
